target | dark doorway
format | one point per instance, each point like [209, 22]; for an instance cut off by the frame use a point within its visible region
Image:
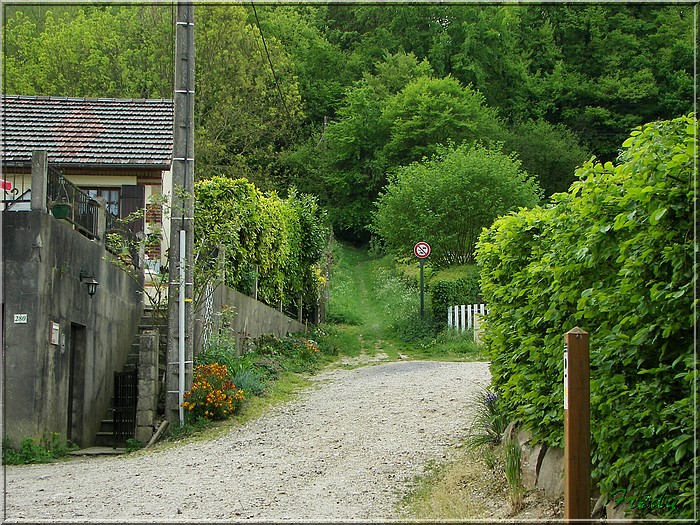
[76, 383]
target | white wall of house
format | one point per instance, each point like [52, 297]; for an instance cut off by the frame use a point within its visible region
[168, 191]
[96, 181]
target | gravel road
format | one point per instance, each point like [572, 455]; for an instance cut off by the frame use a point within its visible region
[348, 448]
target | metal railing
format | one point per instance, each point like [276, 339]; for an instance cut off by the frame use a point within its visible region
[83, 209]
[83, 213]
[14, 194]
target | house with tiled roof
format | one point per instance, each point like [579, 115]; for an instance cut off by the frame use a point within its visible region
[118, 149]
[70, 316]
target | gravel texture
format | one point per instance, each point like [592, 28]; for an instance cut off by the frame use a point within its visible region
[347, 448]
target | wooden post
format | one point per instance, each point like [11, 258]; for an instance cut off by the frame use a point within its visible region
[577, 432]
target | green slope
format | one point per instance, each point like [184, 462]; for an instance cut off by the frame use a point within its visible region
[372, 310]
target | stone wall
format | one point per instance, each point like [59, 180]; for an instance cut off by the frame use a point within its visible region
[147, 404]
[62, 346]
[542, 468]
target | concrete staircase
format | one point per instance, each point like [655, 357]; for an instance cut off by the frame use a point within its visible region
[105, 436]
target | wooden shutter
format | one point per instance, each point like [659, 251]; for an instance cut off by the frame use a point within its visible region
[132, 198]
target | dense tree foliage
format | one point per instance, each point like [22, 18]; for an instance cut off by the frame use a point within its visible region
[615, 256]
[330, 98]
[549, 152]
[90, 52]
[395, 117]
[449, 199]
[244, 114]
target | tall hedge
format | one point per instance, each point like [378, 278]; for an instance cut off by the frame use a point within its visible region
[283, 238]
[615, 256]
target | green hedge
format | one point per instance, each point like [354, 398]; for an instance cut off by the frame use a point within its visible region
[457, 285]
[614, 256]
[283, 238]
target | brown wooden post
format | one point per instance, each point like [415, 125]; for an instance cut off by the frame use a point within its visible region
[577, 426]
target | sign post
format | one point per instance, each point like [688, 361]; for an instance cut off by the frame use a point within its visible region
[421, 250]
[577, 432]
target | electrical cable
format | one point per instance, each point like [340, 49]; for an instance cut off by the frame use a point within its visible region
[272, 68]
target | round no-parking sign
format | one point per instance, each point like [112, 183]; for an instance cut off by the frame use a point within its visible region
[421, 250]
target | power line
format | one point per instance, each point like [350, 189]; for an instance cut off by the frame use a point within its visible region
[272, 68]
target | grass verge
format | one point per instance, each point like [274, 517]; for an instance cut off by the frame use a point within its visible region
[284, 389]
[463, 488]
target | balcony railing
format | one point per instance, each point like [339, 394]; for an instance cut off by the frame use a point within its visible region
[83, 209]
[83, 213]
[15, 196]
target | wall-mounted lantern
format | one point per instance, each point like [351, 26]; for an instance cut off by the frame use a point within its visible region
[89, 281]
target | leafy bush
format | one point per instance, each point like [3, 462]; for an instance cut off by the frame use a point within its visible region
[132, 445]
[614, 255]
[304, 348]
[292, 353]
[248, 379]
[49, 447]
[268, 367]
[549, 152]
[213, 395]
[219, 349]
[448, 199]
[460, 286]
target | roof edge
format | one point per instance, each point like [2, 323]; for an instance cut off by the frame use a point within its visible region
[85, 99]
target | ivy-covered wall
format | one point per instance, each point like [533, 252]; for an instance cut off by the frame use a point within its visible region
[615, 256]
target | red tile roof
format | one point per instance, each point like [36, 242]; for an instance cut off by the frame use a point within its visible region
[99, 132]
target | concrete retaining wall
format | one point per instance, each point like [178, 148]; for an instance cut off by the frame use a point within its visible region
[251, 319]
[64, 385]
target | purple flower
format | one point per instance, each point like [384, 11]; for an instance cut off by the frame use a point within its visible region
[490, 398]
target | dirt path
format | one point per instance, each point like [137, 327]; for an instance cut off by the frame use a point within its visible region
[346, 449]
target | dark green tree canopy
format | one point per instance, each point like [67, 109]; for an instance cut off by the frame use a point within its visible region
[330, 98]
[448, 199]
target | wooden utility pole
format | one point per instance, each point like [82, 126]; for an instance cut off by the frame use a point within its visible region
[577, 426]
[180, 261]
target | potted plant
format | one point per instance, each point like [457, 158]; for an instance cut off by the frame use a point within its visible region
[61, 207]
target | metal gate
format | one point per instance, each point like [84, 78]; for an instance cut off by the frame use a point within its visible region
[125, 395]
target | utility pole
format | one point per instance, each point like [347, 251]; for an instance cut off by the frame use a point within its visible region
[178, 375]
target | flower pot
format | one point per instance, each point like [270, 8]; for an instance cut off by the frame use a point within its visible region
[60, 210]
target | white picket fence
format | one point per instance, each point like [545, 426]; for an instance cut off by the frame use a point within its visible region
[462, 317]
